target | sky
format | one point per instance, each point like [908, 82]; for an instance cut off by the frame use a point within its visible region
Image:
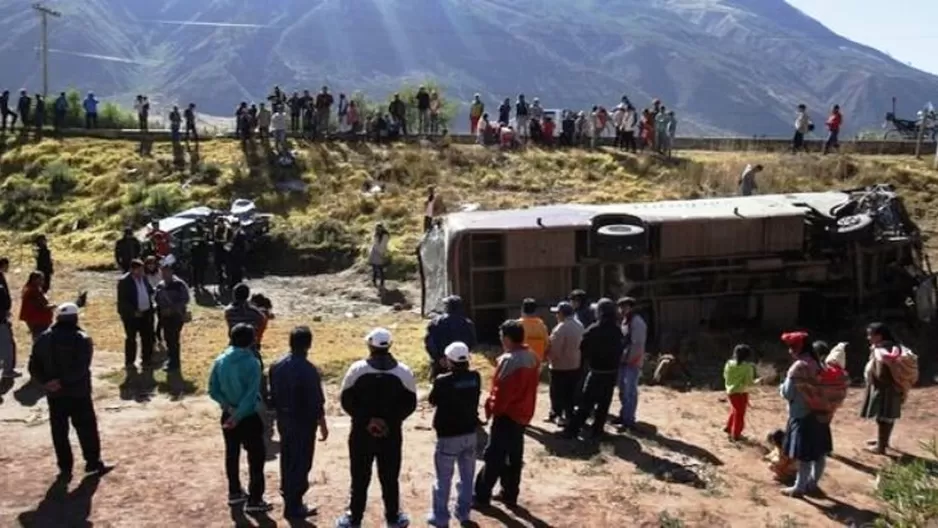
[905, 29]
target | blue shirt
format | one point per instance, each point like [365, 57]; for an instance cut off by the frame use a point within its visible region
[296, 389]
[235, 382]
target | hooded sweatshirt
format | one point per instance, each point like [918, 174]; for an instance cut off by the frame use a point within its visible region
[235, 382]
[448, 328]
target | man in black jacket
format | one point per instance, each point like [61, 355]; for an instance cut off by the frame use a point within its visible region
[7, 341]
[44, 262]
[448, 328]
[456, 398]
[126, 250]
[135, 307]
[378, 393]
[5, 112]
[297, 397]
[61, 363]
[601, 347]
[23, 105]
[398, 110]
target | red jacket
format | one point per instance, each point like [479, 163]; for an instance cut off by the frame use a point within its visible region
[35, 309]
[160, 241]
[514, 387]
[834, 122]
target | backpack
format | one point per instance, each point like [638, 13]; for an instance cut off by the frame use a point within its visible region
[823, 392]
[902, 364]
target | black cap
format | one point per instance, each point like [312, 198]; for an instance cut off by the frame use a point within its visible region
[528, 306]
[563, 308]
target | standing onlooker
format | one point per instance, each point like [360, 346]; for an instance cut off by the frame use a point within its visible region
[297, 397]
[40, 114]
[398, 111]
[739, 374]
[803, 125]
[436, 105]
[7, 341]
[378, 394]
[278, 123]
[807, 436]
[323, 109]
[661, 130]
[61, 363]
[343, 112]
[670, 132]
[510, 405]
[172, 301]
[234, 383]
[521, 116]
[237, 249]
[456, 398]
[581, 305]
[423, 110]
[747, 182]
[536, 334]
[884, 396]
[504, 112]
[636, 332]
[834, 122]
[44, 262]
[647, 130]
[142, 107]
[451, 327]
[263, 122]
[35, 309]
[189, 115]
[595, 127]
[135, 307]
[378, 255]
[126, 250]
[601, 349]
[5, 111]
[60, 110]
[296, 109]
[175, 124]
[476, 109]
[198, 262]
[434, 208]
[220, 236]
[564, 356]
[354, 118]
[90, 106]
[618, 122]
[23, 106]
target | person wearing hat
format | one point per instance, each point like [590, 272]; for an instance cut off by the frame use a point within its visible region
[581, 306]
[455, 395]
[237, 254]
[44, 262]
[564, 358]
[234, 383]
[378, 393]
[135, 307]
[635, 331]
[510, 404]
[297, 397]
[446, 329]
[61, 363]
[602, 345]
[172, 302]
[536, 334]
[126, 250]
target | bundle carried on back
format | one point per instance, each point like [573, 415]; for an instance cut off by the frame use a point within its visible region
[899, 359]
[823, 389]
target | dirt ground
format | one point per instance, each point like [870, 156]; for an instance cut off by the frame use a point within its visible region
[679, 471]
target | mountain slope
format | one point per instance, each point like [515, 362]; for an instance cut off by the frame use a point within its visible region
[726, 66]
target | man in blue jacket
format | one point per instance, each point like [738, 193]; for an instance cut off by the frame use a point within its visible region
[446, 329]
[297, 397]
[235, 383]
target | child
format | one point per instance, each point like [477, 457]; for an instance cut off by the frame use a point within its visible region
[782, 467]
[739, 374]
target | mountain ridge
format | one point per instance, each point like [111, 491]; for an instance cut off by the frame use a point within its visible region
[726, 66]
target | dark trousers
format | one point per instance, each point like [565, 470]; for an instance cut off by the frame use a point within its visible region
[12, 116]
[297, 446]
[247, 434]
[377, 275]
[504, 459]
[58, 119]
[172, 333]
[833, 141]
[91, 120]
[797, 143]
[563, 388]
[628, 140]
[190, 130]
[142, 326]
[235, 269]
[294, 122]
[427, 223]
[48, 282]
[364, 450]
[142, 122]
[220, 260]
[80, 412]
[598, 389]
[198, 270]
[124, 265]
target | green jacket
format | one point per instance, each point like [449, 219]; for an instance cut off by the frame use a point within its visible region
[235, 382]
[738, 376]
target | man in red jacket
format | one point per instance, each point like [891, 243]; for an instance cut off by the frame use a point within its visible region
[834, 122]
[510, 405]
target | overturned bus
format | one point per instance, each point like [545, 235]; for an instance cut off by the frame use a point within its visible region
[770, 261]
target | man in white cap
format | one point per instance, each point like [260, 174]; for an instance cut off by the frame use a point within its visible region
[61, 363]
[455, 395]
[378, 393]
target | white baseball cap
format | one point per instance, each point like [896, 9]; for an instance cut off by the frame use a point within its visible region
[66, 309]
[379, 338]
[457, 352]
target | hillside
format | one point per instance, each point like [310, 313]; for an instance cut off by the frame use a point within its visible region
[82, 192]
[727, 66]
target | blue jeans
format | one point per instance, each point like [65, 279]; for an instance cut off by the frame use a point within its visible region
[628, 393]
[459, 450]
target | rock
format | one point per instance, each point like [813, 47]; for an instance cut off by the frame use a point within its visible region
[351, 315]
[317, 318]
[397, 307]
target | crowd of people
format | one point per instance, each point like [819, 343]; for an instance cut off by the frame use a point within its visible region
[592, 349]
[31, 111]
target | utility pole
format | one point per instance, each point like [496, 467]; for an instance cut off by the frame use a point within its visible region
[44, 14]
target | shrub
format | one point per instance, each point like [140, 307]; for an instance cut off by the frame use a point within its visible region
[164, 200]
[58, 176]
[910, 490]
